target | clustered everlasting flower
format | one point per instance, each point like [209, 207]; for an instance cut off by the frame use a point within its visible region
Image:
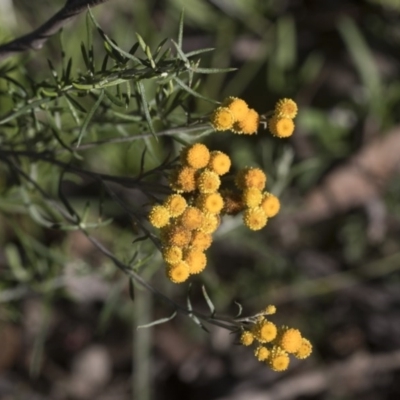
[234, 114]
[274, 345]
[257, 205]
[281, 122]
[201, 196]
[188, 217]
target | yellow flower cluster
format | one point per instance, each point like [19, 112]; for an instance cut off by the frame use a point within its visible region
[188, 217]
[257, 205]
[281, 123]
[235, 115]
[275, 344]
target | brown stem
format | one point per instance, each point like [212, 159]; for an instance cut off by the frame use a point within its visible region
[36, 39]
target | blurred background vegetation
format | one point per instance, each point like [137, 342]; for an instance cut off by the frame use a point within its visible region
[330, 261]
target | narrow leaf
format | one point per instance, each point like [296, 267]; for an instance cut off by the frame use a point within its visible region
[158, 322]
[89, 117]
[208, 300]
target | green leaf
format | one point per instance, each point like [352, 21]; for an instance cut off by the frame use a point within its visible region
[89, 117]
[158, 321]
[180, 32]
[192, 92]
[145, 105]
[240, 309]
[208, 300]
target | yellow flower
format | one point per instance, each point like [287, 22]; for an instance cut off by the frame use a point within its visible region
[172, 255]
[246, 338]
[219, 162]
[200, 241]
[285, 108]
[175, 204]
[211, 202]
[196, 260]
[289, 339]
[191, 218]
[255, 218]
[281, 127]
[252, 197]
[249, 124]
[233, 203]
[270, 309]
[304, 350]
[176, 235]
[208, 181]
[222, 119]
[278, 359]
[238, 107]
[196, 156]
[265, 331]
[159, 216]
[251, 177]
[178, 273]
[270, 204]
[183, 179]
[210, 223]
[261, 353]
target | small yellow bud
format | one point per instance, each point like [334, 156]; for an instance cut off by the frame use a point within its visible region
[261, 353]
[304, 350]
[270, 204]
[246, 338]
[178, 273]
[281, 127]
[222, 119]
[285, 108]
[255, 218]
[159, 216]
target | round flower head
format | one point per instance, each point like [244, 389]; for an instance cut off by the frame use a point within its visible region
[210, 223]
[304, 350]
[191, 218]
[285, 108]
[232, 202]
[183, 179]
[195, 156]
[208, 181]
[238, 107]
[175, 204]
[261, 353]
[172, 255]
[255, 218]
[281, 127]
[200, 241]
[159, 216]
[176, 235]
[220, 163]
[290, 340]
[211, 202]
[265, 331]
[252, 197]
[196, 260]
[248, 125]
[246, 338]
[250, 177]
[278, 360]
[178, 273]
[270, 204]
[222, 119]
[270, 310]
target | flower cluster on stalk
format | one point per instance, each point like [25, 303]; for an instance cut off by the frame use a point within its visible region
[273, 345]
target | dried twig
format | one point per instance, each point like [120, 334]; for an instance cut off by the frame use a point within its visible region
[36, 39]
